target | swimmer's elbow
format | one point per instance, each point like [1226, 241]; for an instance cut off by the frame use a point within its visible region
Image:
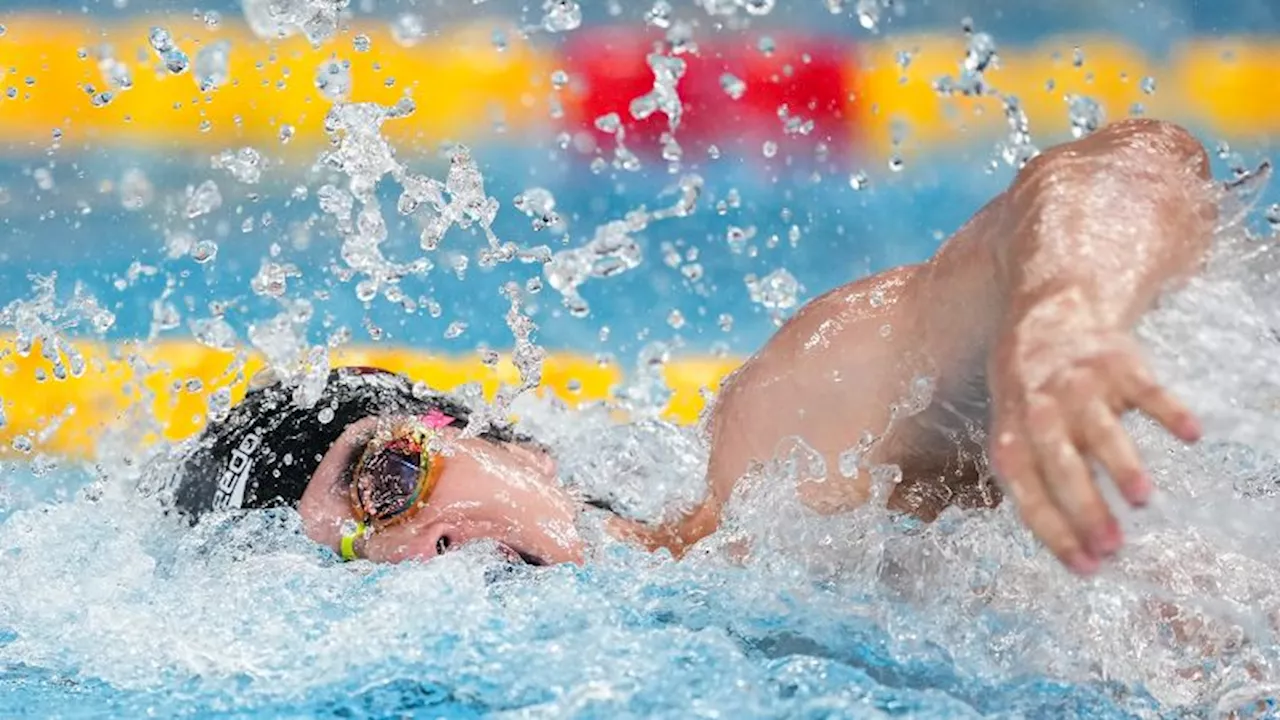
[1152, 154]
[1168, 144]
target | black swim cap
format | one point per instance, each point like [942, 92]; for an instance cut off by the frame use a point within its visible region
[264, 452]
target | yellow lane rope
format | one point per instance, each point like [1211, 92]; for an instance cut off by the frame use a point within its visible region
[65, 417]
[466, 87]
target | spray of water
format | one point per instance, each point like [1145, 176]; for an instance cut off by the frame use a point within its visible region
[782, 612]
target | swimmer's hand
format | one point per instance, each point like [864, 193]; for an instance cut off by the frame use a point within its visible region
[1059, 392]
[1092, 232]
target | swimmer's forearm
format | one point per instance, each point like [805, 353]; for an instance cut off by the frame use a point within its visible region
[1096, 229]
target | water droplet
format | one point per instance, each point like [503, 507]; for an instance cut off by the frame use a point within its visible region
[244, 164]
[333, 80]
[561, 15]
[408, 29]
[732, 86]
[455, 329]
[868, 12]
[213, 63]
[675, 319]
[1086, 115]
[160, 40]
[559, 79]
[286, 134]
[769, 149]
[22, 444]
[361, 43]
[766, 45]
[981, 53]
[659, 15]
[1077, 56]
[858, 180]
[1148, 85]
[725, 321]
[609, 123]
[277, 19]
[886, 474]
[212, 19]
[176, 61]
[43, 178]
[499, 39]
[203, 199]
[539, 204]
[849, 462]
[1272, 214]
[779, 290]
[115, 73]
[896, 164]
[272, 279]
[758, 7]
[204, 251]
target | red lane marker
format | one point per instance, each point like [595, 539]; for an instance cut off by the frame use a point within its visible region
[808, 75]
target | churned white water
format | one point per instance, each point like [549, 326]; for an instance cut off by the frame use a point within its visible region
[782, 612]
[103, 584]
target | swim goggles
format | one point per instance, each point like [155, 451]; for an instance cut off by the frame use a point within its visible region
[393, 477]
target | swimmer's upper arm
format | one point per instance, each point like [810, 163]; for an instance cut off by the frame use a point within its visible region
[830, 375]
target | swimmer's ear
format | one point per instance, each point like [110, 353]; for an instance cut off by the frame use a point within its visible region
[536, 454]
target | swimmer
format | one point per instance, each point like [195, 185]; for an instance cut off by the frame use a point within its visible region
[1023, 320]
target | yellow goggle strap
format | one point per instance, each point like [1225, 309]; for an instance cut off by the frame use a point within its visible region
[349, 541]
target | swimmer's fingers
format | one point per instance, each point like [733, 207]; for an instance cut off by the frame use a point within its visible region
[1140, 390]
[1106, 440]
[1068, 478]
[1015, 464]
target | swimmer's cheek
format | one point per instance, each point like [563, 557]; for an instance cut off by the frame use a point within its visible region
[398, 547]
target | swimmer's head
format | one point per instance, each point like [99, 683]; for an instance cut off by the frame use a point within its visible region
[373, 453]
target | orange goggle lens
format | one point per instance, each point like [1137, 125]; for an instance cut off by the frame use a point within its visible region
[393, 478]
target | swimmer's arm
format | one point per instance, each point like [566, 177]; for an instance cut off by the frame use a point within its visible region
[1042, 291]
[996, 284]
[830, 375]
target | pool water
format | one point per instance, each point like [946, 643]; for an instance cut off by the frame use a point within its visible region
[112, 607]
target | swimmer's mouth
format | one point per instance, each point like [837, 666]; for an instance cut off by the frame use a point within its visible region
[531, 559]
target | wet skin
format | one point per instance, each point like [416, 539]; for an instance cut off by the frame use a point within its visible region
[1023, 320]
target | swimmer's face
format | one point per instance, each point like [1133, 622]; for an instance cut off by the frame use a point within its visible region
[486, 491]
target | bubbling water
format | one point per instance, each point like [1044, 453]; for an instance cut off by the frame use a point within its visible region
[782, 612]
[792, 610]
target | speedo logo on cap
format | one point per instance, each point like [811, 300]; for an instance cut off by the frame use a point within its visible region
[232, 482]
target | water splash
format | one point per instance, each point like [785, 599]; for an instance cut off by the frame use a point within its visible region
[408, 29]
[1086, 115]
[776, 292]
[318, 20]
[612, 250]
[561, 15]
[213, 65]
[245, 164]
